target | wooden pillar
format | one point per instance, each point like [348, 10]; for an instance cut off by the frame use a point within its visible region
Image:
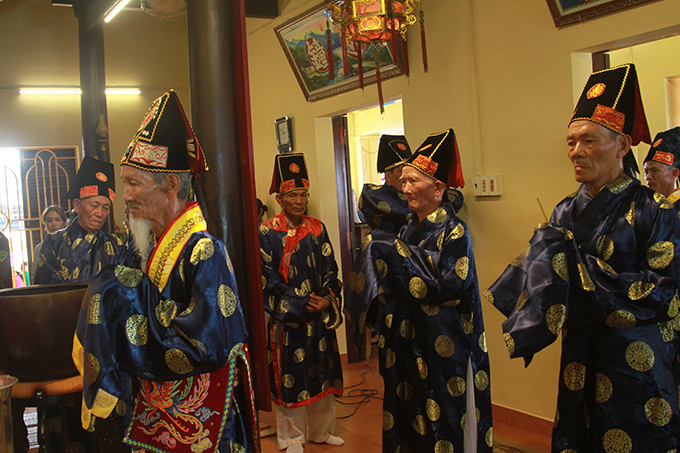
[220, 113]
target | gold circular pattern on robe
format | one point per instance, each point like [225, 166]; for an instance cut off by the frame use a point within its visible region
[381, 341]
[76, 243]
[288, 381]
[76, 272]
[603, 388]
[487, 294]
[166, 310]
[417, 287]
[292, 272]
[203, 250]
[438, 216]
[621, 319]
[456, 386]
[360, 282]
[554, 318]
[488, 437]
[137, 329]
[430, 309]
[430, 261]
[440, 240]
[522, 256]
[121, 407]
[299, 355]
[433, 410]
[586, 283]
[178, 362]
[189, 309]
[304, 289]
[94, 311]
[384, 207]
[640, 290]
[443, 446]
[265, 256]
[285, 338]
[481, 380]
[419, 425]
[367, 240]
[388, 320]
[457, 233]
[559, 264]
[575, 376]
[509, 343]
[303, 395]
[466, 321]
[264, 229]
[658, 411]
[323, 345]
[388, 421]
[264, 282]
[238, 448]
[402, 248]
[311, 260]
[128, 276]
[405, 391]
[640, 356]
[606, 266]
[660, 254]
[226, 299]
[92, 368]
[605, 247]
[666, 330]
[463, 419]
[108, 248]
[326, 249]
[674, 306]
[482, 342]
[462, 267]
[407, 330]
[362, 318]
[444, 346]
[521, 300]
[381, 267]
[422, 368]
[309, 329]
[181, 270]
[617, 441]
[631, 215]
[390, 358]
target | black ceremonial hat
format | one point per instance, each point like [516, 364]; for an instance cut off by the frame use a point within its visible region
[94, 178]
[611, 98]
[666, 148]
[393, 150]
[165, 141]
[438, 158]
[290, 173]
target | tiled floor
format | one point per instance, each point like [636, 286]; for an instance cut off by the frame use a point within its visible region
[362, 431]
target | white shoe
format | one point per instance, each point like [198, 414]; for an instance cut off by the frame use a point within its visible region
[295, 448]
[334, 440]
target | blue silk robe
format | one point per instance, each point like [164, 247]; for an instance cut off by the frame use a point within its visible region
[605, 273]
[304, 359]
[419, 291]
[178, 324]
[73, 255]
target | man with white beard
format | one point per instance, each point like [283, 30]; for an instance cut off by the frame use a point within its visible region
[177, 324]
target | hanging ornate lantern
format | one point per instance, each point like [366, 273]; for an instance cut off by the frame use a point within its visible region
[370, 22]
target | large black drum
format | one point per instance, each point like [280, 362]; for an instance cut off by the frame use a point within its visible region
[37, 324]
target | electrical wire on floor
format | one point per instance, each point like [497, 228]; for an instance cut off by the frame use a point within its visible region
[364, 394]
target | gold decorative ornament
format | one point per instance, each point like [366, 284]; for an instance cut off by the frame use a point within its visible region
[92, 368]
[299, 355]
[203, 250]
[509, 343]
[405, 391]
[559, 264]
[417, 287]
[457, 233]
[603, 388]
[658, 411]
[367, 240]
[128, 276]
[137, 329]
[226, 300]
[660, 254]
[443, 446]
[631, 215]
[390, 358]
[586, 283]
[555, 318]
[166, 310]
[640, 356]
[522, 256]
[444, 346]
[462, 267]
[640, 290]
[419, 425]
[433, 410]
[617, 441]
[575, 376]
[402, 248]
[388, 421]
[422, 368]
[94, 315]
[521, 300]
[178, 362]
[407, 330]
[481, 380]
[482, 342]
[621, 319]
[605, 247]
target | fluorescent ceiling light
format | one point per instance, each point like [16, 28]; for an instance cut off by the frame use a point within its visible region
[75, 91]
[115, 9]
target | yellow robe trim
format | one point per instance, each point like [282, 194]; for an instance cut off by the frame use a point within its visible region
[171, 244]
[675, 196]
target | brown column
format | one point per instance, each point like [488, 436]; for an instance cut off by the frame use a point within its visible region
[220, 112]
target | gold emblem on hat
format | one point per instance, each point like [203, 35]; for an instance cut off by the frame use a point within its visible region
[101, 176]
[596, 90]
[657, 143]
[294, 168]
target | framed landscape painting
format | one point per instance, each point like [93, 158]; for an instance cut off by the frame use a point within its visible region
[305, 42]
[566, 12]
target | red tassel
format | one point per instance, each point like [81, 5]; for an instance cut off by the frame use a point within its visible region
[380, 93]
[393, 47]
[407, 69]
[329, 42]
[360, 59]
[423, 42]
[345, 58]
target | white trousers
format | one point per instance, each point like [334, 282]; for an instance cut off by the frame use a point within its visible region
[291, 424]
[470, 432]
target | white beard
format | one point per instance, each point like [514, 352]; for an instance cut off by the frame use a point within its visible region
[141, 232]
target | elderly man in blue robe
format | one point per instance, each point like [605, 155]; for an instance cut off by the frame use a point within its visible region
[604, 272]
[161, 345]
